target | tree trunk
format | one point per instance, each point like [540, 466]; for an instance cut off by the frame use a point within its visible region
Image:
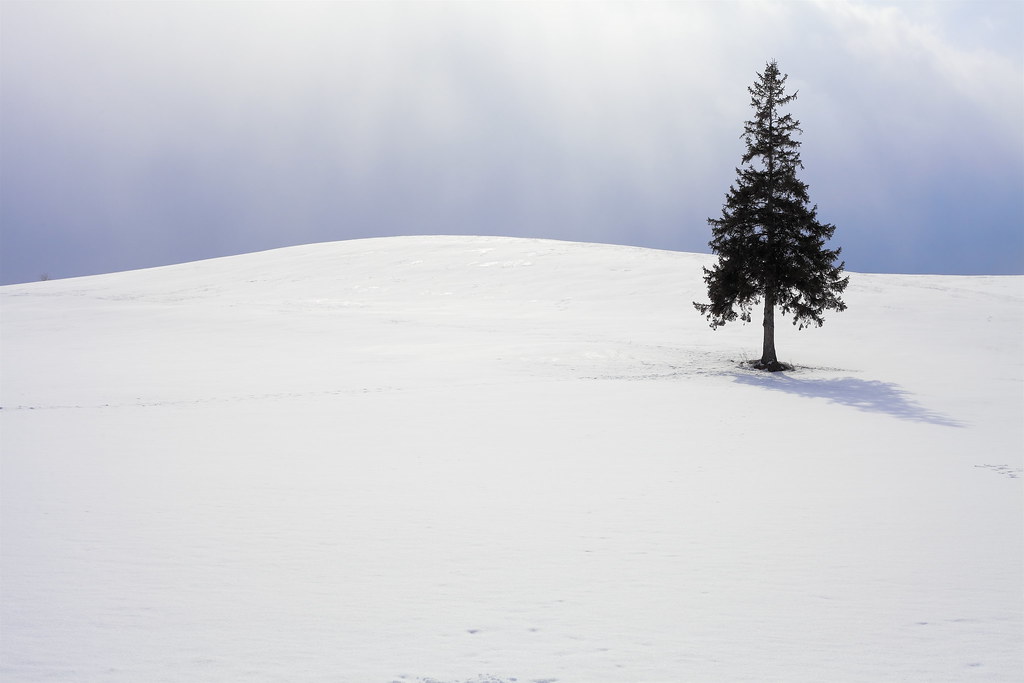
[768, 359]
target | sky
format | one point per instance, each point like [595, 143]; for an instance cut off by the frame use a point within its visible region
[137, 134]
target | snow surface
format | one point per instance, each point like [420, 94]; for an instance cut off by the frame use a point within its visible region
[492, 459]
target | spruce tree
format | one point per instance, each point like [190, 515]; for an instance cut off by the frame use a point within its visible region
[769, 242]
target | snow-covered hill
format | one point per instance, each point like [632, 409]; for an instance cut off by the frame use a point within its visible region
[494, 459]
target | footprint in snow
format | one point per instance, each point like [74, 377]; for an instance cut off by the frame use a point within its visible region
[1011, 472]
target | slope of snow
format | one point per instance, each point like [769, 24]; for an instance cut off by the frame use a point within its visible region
[492, 459]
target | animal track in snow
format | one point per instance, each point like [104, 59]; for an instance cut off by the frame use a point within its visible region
[1011, 472]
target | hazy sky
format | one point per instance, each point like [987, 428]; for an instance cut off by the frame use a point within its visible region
[135, 134]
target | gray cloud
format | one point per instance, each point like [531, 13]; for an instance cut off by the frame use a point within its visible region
[136, 134]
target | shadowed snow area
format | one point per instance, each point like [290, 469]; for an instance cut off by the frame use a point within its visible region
[496, 460]
[869, 395]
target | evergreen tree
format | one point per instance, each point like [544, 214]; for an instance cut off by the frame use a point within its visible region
[769, 242]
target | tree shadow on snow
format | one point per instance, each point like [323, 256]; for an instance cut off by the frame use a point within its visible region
[868, 395]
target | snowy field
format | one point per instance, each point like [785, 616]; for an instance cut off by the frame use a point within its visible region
[456, 459]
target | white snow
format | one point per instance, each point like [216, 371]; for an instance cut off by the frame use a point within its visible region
[490, 459]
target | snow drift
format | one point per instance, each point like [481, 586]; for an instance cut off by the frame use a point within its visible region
[494, 459]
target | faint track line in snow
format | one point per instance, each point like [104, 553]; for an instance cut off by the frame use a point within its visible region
[231, 398]
[482, 678]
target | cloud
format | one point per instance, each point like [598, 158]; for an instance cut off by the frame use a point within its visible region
[923, 59]
[154, 132]
[925, 132]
